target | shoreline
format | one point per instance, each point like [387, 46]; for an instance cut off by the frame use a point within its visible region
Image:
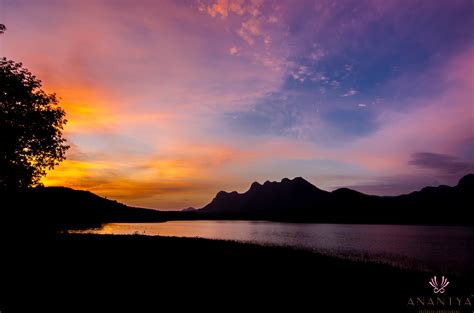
[380, 252]
[147, 269]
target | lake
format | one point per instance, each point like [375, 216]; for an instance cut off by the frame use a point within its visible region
[442, 248]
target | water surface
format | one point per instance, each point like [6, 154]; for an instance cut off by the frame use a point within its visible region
[445, 248]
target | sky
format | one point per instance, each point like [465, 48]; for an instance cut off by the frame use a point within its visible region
[169, 102]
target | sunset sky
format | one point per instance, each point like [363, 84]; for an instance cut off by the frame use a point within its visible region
[169, 102]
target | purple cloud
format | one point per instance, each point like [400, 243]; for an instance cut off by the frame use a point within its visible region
[442, 163]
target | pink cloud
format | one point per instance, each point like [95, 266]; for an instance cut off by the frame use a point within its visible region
[162, 75]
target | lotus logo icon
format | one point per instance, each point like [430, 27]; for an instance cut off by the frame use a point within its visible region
[439, 288]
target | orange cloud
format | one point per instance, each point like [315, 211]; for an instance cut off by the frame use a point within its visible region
[220, 7]
[144, 87]
[182, 173]
[192, 177]
[86, 110]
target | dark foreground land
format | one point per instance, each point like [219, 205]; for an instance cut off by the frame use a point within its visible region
[86, 272]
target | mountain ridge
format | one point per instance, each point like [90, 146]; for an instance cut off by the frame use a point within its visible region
[299, 200]
[294, 200]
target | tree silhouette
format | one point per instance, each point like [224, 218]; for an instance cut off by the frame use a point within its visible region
[31, 124]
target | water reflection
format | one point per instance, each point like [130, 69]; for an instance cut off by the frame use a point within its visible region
[445, 248]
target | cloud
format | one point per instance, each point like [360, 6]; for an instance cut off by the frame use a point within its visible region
[147, 87]
[246, 36]
[317, 55]
[258, 25]
[320, 78]
[181, 170]
[272, 19]
[335, 84]
[442, 163]
[176, 73]
[395, 184]
[178, 170]
[255, 7]
[239, 7]
[220, 7]
[301, 73]
[444, 122]
[233, 50]
[351, 92]
[254, 24]
[251, 30]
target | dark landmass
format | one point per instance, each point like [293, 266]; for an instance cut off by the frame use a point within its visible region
[52, 208]
[71, 272]
[300, 201]
[294, 200]
[43, 269]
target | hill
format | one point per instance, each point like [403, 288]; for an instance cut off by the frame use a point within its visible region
[64, 208]
[294, 200]
[299, 200]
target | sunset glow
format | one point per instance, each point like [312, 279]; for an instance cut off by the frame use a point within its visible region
[169, 102]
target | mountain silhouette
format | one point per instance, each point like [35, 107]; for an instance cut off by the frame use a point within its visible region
[299, 200]
[296, 196]
[296, 200]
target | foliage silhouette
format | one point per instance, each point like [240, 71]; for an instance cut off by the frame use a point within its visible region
[31, 124]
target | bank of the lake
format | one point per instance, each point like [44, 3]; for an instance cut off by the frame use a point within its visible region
[446, 249]
[83, 270]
